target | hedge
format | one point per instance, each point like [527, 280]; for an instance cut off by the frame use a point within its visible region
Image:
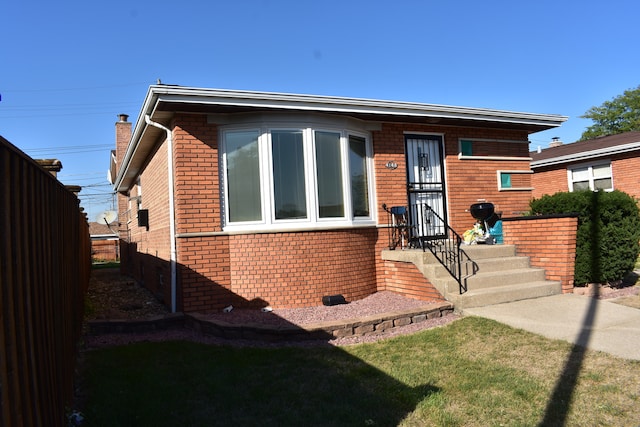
[608, 237]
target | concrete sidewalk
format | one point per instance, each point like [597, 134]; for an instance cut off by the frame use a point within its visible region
[596, 324]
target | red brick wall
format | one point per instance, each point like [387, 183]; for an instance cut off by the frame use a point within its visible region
[404, 278]
[204, 274]
[294, 269]
[470, 181]
[197, 184]
[549, 242]
[298, 269]
[549, 181]
[467, 180]
[626, 174]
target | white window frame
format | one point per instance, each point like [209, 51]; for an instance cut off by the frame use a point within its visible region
[589, 167]
[313, 220]
[499, 173]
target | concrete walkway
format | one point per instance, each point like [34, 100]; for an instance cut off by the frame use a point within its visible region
[596, 324]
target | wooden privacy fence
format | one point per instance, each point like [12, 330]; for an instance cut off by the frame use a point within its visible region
[44, 273]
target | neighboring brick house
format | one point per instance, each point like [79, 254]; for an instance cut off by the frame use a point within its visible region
[606, 163]
[235, 197]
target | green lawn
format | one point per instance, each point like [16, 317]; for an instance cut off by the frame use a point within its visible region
[473, 372]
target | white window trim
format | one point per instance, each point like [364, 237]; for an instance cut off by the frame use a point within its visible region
[499, 172]
[590, 166]
[312, 222]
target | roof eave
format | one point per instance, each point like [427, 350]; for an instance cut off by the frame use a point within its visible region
[586, 155]
[144, 137]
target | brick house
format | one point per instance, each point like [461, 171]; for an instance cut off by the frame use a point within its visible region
[235, 197]
[606, 163]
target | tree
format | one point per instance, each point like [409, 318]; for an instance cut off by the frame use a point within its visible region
[621, 114]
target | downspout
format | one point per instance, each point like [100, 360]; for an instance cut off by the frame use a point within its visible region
[172, 204]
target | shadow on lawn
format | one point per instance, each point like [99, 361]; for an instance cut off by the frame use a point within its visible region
[187, 383]
[560, 401]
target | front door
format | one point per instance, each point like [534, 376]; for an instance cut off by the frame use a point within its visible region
[425, 184]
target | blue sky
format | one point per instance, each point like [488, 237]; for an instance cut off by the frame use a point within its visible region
[68, 68]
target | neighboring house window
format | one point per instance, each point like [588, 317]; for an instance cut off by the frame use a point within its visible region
[291, 178]
[591, 177]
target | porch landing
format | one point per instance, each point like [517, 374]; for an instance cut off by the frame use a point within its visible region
[495, 275]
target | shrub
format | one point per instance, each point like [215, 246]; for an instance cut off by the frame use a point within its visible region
[608, 237]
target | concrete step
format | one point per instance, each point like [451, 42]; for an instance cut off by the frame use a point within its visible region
[497, 279]
[500, 264]
[503, 294]
[494, 274]
[477, 252]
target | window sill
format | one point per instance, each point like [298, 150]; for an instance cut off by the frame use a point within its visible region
[295, 228]
[463, 157]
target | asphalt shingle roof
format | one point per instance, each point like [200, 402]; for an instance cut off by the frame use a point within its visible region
[602, 143]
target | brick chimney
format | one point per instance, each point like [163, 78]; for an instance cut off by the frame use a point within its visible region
[123, 135]
[555, 142]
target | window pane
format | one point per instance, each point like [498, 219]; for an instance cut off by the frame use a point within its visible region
[582, 185]
[581, 174]
[358, 176]
[505, 180]
[329, 173]
[601, 171]
[602, 184]
[288, 175]
[466, 147]
[243, 176]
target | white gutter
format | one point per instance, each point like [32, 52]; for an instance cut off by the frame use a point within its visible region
[172, 225]
[191, 95]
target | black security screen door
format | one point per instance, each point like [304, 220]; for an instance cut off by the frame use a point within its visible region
[425, 184]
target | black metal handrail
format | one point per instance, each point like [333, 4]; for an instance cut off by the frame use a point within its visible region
[423, 228]
[433, 233]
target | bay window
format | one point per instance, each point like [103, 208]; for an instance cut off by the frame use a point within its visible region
[289, 193]
[292, 177]
[243, 177]
[329, 175]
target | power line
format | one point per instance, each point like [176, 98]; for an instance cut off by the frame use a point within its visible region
[70, 89]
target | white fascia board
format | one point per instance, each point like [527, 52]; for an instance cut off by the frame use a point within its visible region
[203, 96]
[136, 136]
[587, 155]
[349, 105]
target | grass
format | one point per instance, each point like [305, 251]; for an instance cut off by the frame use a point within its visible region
[104, 264]
[473, 372]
